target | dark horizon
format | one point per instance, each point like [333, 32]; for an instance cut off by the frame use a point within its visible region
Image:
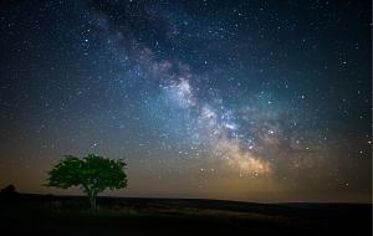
[256, 101]
[108, 195]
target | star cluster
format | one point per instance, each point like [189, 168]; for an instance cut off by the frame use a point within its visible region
[244, 100]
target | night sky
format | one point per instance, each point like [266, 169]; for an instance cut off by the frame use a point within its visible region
[242, 100]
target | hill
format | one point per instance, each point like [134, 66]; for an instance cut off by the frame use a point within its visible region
[28, 214]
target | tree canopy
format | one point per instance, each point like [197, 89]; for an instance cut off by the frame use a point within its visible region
[92, 173]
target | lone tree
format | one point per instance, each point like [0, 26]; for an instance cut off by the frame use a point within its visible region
[92, 173]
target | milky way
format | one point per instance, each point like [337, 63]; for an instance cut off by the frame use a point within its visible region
[244, 100]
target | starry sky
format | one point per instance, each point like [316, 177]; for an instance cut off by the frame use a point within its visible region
[262, 100]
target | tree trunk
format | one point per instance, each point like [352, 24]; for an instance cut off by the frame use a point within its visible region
[92, 200]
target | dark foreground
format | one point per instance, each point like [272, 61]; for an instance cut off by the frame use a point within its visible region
[53, 215]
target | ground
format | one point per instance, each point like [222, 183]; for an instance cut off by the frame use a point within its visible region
[26, 214]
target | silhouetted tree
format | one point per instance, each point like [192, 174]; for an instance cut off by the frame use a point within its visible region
[9, 192]
[93, 174]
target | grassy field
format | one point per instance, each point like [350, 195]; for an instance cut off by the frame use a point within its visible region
[56, 215]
